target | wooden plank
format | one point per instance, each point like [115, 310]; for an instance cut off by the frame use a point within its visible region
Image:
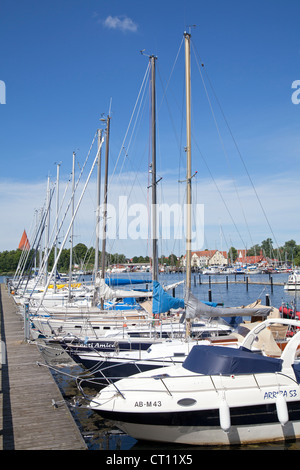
[28, 419]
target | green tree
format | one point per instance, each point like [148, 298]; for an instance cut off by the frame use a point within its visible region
[232, 254]
[254, 250]
[267, 247]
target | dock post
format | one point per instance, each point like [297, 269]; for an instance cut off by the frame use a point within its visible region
[267, 300]
[209, 295]
[271, 281]
[247, 283]
[227, 282]
[26, 322]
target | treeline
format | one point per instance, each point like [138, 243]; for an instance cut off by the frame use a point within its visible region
[171, 260]
[82, 257]
[289, 252]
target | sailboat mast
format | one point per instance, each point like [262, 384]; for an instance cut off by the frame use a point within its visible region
[153, 168]
[187, 37]
[96, 267]
[57, 210]
[105, 203]
[47, 232]
[72, 227]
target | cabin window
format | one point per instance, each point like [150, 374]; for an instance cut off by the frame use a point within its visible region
[186, 402]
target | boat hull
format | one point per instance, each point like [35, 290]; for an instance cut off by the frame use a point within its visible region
[248, 425]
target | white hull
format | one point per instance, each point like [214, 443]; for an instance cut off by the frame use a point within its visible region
[95, 326]
[219, 396]
[293, 282]
[292, 287]
[212, 436]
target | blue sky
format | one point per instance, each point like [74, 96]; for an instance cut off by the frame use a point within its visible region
[63, 63]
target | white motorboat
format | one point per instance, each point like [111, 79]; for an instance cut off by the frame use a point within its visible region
[293, 282]
[218, 396]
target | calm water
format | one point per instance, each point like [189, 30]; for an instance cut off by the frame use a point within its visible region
[100, 434]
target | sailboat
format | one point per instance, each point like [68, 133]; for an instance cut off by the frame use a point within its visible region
[200, 322]
[83, 316]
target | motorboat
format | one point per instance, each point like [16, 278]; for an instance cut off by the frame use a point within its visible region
[217, 396]
[293, 282]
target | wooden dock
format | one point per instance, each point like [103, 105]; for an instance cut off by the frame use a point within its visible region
[29, 420]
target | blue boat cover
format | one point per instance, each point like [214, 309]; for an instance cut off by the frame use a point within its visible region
[224, 360]
[162, 301]
[111, 281]
[296, 367]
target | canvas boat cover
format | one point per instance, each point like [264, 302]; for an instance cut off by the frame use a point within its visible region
[162, 301]
[195, 309]
[222, 360]
[107, 293]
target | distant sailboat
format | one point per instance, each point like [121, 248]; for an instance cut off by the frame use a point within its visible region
[24, 242]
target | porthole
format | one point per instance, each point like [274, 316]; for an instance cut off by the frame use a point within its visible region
[186, 402]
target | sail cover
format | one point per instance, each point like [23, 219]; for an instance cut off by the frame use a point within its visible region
[123, 282]
[162, 301]
[196, 309]
[107, 293]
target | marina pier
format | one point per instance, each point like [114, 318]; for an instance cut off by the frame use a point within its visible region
[33, 413]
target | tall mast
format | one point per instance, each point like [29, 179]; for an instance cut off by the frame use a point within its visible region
[57, 210]
[96, 267]
[105, 203]
[188, 166]
[47, 231]
[154, 200]
[72, 226]
[96, 264]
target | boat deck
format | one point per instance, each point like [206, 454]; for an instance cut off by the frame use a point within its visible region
[33, 414]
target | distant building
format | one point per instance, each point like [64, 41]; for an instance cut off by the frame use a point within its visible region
[244, 259]
[206, 258]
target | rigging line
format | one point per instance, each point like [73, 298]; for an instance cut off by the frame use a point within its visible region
[68, 206]
[139, 103]
[172, 70]
[222, 143]
[139, 112]
[128, 127]
[240, 155]
[220, 194]
[46, 257]
[165, 92]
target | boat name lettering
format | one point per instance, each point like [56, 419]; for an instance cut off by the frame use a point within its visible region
[141, 404]
[285, 393]
[100, 345]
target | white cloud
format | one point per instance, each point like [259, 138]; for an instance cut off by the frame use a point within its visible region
[122, 23]
[279, 196]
